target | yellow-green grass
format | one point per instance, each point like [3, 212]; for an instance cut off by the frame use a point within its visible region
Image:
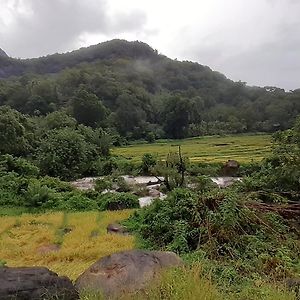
[243, 148]
[189, 283]
[22, 236]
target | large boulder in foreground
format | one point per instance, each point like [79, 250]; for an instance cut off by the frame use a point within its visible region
[34, 284]
[125, 272]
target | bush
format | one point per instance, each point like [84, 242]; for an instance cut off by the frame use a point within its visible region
[220, 224]
[208, 169]
[117, 201]
[102, 185]
[21, 166]
[148, 162]
[77, 202]
[36, 195]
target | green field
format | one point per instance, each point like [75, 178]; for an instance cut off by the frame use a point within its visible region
[243, 148]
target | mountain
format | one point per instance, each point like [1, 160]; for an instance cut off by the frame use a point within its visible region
[143, 93]
[54, 63]
[2, 53]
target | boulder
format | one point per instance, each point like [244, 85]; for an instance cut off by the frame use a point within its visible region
[154, 193]
[125, 272]
[33, 284]
[231, 167]
[116, 229]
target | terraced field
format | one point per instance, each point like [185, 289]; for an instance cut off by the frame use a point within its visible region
[243, 148]
[65, 243]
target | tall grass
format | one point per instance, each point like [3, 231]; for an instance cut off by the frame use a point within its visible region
[19, 244]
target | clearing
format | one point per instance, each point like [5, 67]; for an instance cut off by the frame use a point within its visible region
[243, 148]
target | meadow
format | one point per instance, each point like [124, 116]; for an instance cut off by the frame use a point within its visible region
[86, 240]
[81, 238]
[208, 149]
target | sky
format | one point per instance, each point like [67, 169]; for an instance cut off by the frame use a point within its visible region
[255, 41]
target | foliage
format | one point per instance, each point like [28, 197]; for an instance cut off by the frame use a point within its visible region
[64, 153]
[281, 171]
[130, 88]
[21, 166]
[36, 194]
[117, 201]
[220, 224]
[87, 108]
[148, 162]
[173, 169]
[77, 202]
[102, 184]
[15, 132]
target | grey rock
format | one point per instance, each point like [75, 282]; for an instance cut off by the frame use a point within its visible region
[34, 284]
[125, 272]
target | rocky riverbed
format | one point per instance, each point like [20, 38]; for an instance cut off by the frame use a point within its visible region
[150, 183]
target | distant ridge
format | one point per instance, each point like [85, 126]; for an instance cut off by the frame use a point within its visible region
[54, 63]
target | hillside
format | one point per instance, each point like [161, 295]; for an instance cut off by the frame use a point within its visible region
[2, 53]
[132, 90]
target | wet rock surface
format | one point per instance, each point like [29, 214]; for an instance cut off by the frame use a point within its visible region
[34, 284]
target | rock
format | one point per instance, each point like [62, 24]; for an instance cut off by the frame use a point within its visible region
[116, 229]
[223, 182]
[45, 249]
[34, 284]
[154, 193]
[126, 271]
[145, 201]
[230, 168]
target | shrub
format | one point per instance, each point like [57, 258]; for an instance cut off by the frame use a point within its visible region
[220, 224]
[117, 201]
[102, 184]
[21, 166]
[77, 202]
[148, 162]
[36, 195]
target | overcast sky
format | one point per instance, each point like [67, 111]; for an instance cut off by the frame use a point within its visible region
[256, 41]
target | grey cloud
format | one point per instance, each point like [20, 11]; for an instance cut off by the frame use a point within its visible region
[270, 61]
[55, 26]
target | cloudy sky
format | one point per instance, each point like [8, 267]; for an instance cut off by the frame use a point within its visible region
[256, 41]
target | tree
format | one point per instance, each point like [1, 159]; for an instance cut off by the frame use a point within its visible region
[176, 115]
[59, 119]
[129, 114]
[16, 132]
[88, 108]
[64, 153]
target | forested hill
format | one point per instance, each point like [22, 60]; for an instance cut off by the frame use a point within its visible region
[54, 63]
[130, 89]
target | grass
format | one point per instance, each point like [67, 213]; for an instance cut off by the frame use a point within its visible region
[22, 236]
[243, 148]
[189, 283]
